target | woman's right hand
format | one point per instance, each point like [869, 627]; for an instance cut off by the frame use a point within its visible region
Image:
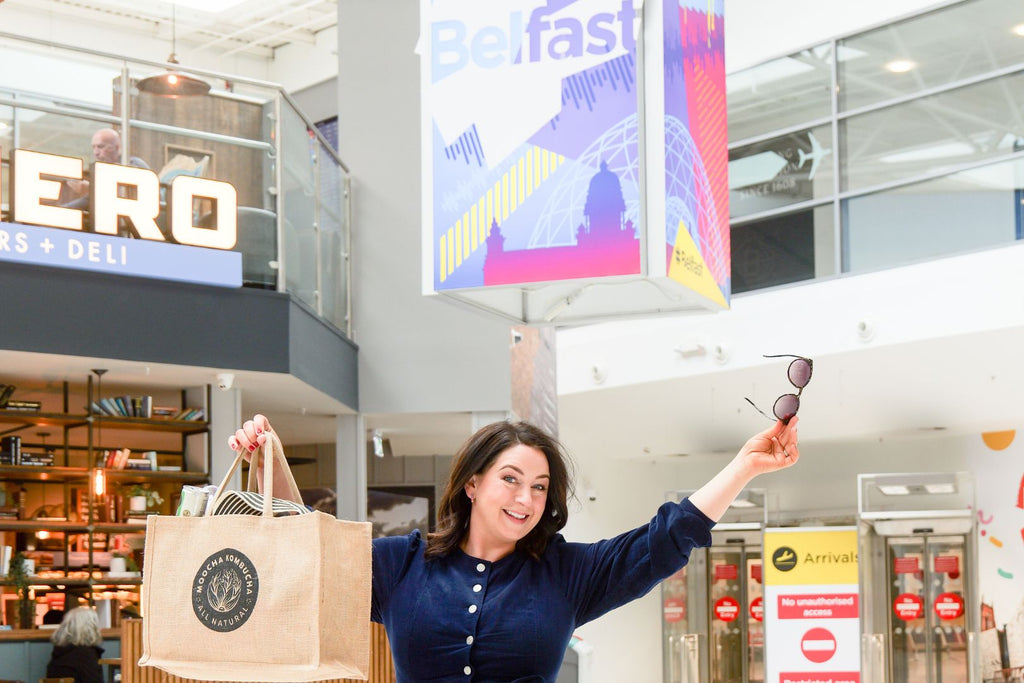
[247, 441]
[251, 436]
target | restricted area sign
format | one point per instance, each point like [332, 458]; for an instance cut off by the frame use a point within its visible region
[675, 610]
[757, 609]
[726, 609]
[818, 645]
[908, 606]
[949, 605]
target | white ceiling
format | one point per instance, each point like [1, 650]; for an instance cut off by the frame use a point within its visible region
[254, 27]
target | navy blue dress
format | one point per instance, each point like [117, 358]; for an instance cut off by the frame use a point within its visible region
[458, 618]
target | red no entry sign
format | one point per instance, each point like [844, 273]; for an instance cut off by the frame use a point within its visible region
[757, 609]
[949, 606]
[818, 645]
[908, 606]
[726, 609]
[675, 610]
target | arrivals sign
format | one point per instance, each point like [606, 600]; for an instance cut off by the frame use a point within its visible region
[533, 171]
[811, 605]
[45, 233]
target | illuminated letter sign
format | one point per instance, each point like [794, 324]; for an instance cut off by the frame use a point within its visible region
[141, 210]
[183, 190]
[118, 194]
[29, 188]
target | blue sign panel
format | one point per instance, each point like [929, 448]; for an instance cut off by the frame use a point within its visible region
[118, 255]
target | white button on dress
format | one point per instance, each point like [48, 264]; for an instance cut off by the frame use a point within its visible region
[476, 588]
[467, 670]
[469, 640]
[480, 567]
[472, 609]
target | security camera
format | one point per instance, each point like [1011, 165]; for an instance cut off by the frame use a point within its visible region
[225, 380]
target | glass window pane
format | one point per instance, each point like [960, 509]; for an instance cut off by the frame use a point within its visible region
[781, 93]
[298, 186]
[933, 134]
[781, 171]
[783, 249]
[950, 44]
[333, 259]
[968, 210]
[6, 145]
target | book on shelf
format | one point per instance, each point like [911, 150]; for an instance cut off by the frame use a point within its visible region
[190, 415]
[10, 450]
[37, 459]
[23, 406]
[125, 406]
[164, 411]
[114, 460]
[138, 464]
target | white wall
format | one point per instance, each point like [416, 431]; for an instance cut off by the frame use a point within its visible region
[416, 354]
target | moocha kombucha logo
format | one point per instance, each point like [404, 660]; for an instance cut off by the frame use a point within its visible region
[224, 590]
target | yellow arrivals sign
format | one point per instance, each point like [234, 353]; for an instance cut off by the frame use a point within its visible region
[800, 557]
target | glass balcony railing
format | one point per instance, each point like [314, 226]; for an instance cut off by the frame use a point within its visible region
[293, 188]
[874, 150]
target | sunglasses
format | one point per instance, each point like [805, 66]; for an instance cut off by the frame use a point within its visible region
[799, 374]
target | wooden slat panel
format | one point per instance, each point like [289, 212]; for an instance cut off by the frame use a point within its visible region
[382, 668]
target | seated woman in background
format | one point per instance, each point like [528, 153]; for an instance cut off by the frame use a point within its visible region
[76, 647]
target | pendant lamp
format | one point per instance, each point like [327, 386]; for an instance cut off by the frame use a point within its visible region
[173, 83]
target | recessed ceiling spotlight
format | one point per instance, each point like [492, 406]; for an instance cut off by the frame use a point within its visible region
[1018, 30]
[900, 66]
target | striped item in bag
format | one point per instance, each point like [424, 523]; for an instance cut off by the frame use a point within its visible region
[251, 503]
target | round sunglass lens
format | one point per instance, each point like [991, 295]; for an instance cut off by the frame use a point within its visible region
[786, 407]
[800, 373]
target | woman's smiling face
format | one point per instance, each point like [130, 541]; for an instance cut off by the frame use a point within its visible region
[508, 498]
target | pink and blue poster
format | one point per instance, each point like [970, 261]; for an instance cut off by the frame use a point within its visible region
[532, 168]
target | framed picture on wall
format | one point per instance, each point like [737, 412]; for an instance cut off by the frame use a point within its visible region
[179, 160]
[397, 510]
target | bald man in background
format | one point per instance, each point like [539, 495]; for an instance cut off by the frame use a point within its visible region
[106, 147]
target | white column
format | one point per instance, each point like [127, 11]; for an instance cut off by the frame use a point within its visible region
[225, 417]
[350, 459]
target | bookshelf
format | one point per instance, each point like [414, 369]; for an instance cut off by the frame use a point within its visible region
[65, 472]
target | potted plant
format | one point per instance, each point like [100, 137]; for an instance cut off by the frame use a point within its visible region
[18, 574]
[141, 498]
[125, 558]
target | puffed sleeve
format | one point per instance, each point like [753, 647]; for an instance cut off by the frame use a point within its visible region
[392, 556]
[598, 577]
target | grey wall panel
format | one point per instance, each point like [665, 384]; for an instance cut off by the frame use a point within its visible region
[76, 313]
[321, 356]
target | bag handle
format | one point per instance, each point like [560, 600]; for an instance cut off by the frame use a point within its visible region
[272, 450]
[273, 456]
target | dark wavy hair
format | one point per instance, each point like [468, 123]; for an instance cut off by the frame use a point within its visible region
[475, 456]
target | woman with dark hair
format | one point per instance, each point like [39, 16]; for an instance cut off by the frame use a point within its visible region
[496, 592]
[76, 647]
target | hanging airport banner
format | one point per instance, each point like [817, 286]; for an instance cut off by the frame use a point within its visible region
[44, 232]
[811, 605]
[532, 166]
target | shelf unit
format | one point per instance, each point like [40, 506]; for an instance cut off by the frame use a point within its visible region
[86, 518]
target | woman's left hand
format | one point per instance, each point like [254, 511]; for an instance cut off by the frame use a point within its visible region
[773, 449]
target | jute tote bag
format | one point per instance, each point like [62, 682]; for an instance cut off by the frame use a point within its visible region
[257, 597]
